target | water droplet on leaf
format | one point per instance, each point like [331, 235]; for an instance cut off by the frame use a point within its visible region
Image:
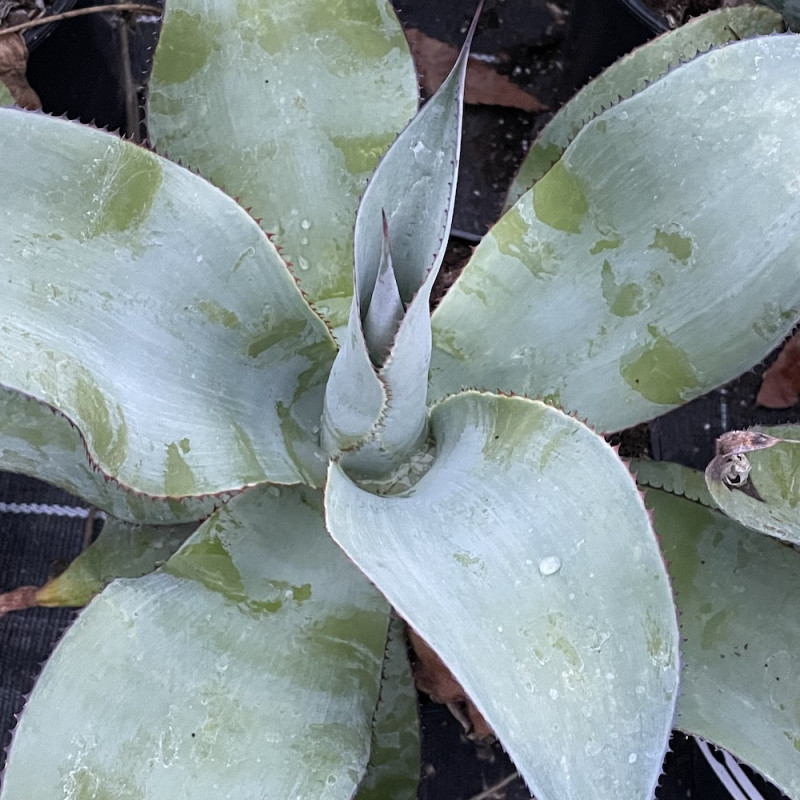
[550, 565]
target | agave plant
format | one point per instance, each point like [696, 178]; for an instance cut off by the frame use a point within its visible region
[159, 360]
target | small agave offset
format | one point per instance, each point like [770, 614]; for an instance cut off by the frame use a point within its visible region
[337, 487]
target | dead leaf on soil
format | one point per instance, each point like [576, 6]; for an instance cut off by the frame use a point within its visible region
[13, 66]
[485, 86]
[435, 679]
[780, 387]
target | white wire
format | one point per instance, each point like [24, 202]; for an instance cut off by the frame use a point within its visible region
[738, 773]
[725, 777]
[49, 510]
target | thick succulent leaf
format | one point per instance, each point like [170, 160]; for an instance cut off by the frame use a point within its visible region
[121, 550]
[554, 614]
[355, 397]
[768, 497]
[288, 106]
[414, 186]
[150, 310]
[394, 763]
[672, 478]
[633, 276]
[385, 309]
[36, 440]
[790, 10]
[739, 602]
[248, 667]
[409, 202]
[631, 74]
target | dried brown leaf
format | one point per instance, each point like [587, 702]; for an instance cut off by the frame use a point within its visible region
[19, 599]
[780, 387]
[485, 86]
[13, 67]
[435, 679]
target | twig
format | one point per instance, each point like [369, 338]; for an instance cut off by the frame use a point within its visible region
[80, 12]
[491, 792]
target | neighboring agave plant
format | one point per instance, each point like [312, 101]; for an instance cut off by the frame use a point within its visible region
[148, 322]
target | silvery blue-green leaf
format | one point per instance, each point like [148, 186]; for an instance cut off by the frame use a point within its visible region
[759, 488]
[414, 186]
[672, 478]
[380, 420]
[36, 440]
[525, 557]
[739, 602]
[355, 397]
[394, 763]
[631, 74]
[248, 667]
[613, 288]
[150, 309]
[385, 309]
[288, 106]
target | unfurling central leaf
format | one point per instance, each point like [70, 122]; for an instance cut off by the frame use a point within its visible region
[382, 318]
[375, 417]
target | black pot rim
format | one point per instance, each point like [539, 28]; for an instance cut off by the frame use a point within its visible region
[646, 15]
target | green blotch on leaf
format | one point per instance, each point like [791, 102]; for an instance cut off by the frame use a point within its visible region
[186, 44]
[660, 371]
[714, 633]
[209, 562]
[261, 27]
[553, 399]
[129, 188]
[466, 559]
[510, 232]
[773, 319]
[678, 246]
[624, 300]
[449, 341]
[361, 153]
[288, 331]
[557, 640]
[352, 640]
[250, 470]
[559, 200]
[109, 445]
[551, 447]
[179, 479]
[358, 24]
[605, 244]
[540, 258]
[516, 422]
[218, 315]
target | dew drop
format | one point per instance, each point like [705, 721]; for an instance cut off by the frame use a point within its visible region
[632, 758]
[305, 224]
[550, 565]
